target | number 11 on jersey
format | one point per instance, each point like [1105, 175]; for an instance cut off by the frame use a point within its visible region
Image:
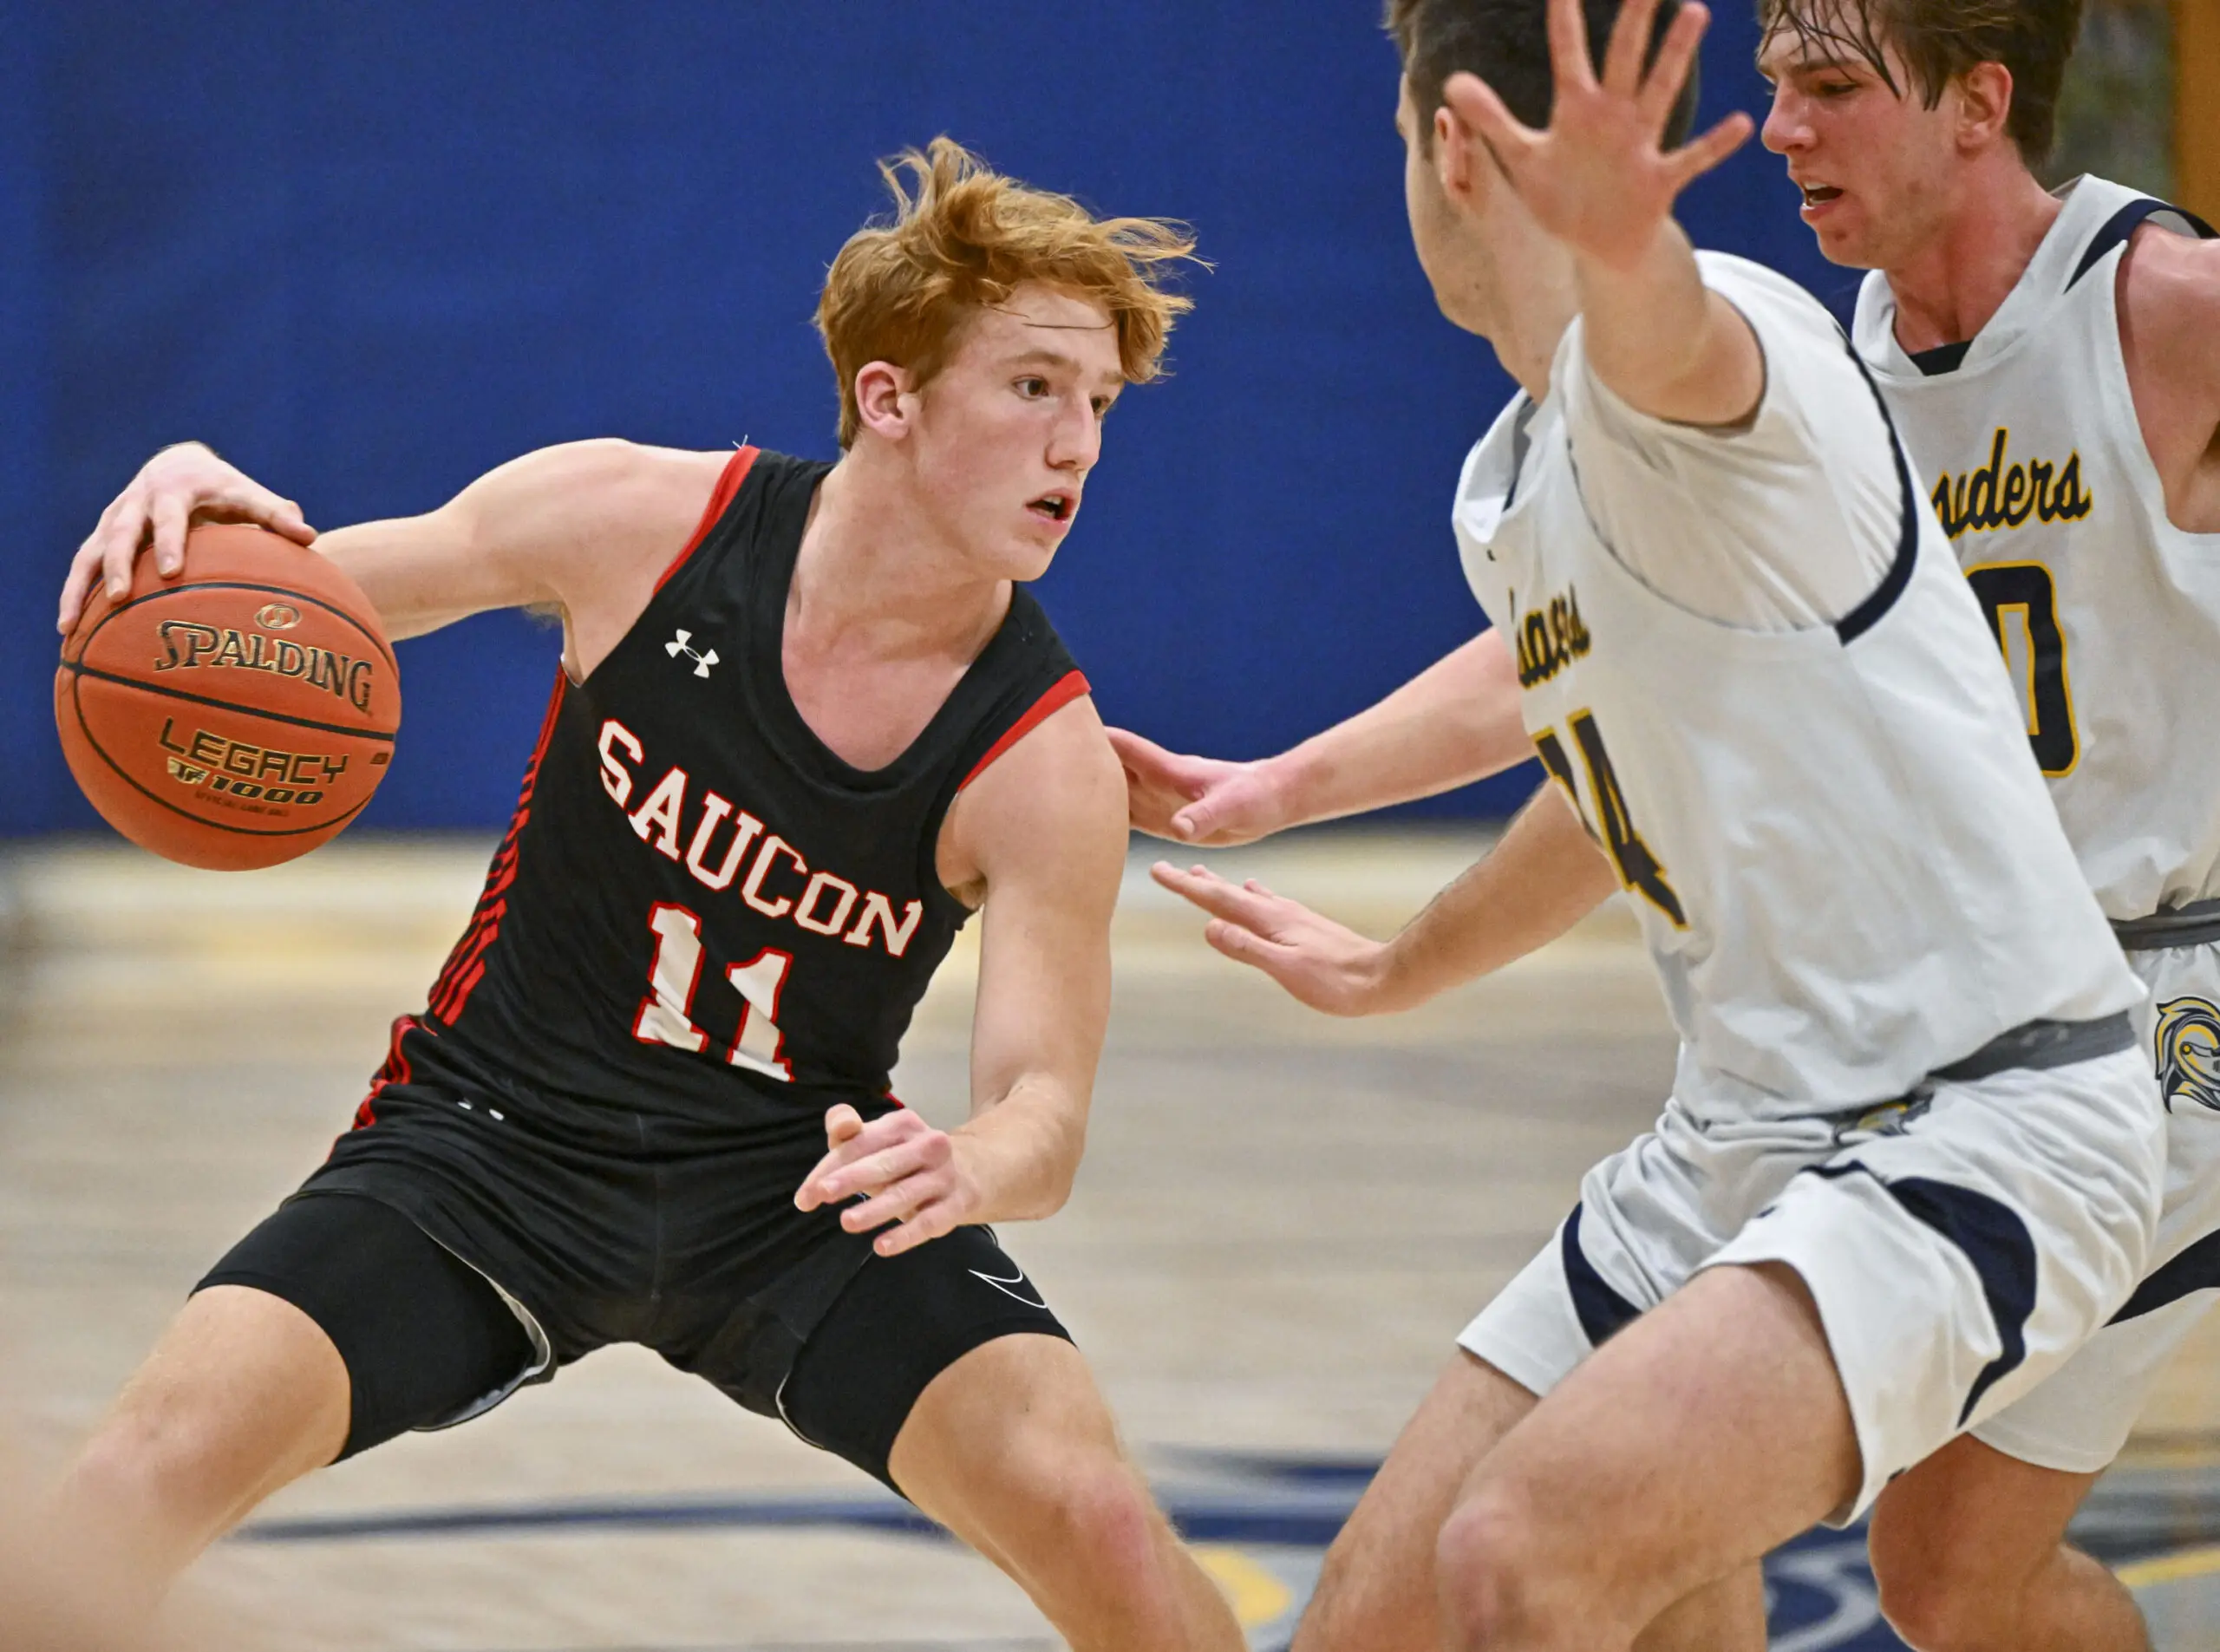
[667, 1013]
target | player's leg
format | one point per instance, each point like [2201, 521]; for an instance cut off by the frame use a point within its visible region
[1971, 1554]
[1648, 1214]
[1376, 1591]
[943, 1372]
[1709, 1431]
[333, 1326]
[242, 1394]
[1726, 1615]
[1925, 1277]
[1969, 1547]
[1012, 1449]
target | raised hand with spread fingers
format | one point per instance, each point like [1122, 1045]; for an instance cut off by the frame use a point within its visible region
[1601, 179]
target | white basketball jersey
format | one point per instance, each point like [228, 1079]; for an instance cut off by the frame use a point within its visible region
[2109, 616]
[1846, 868]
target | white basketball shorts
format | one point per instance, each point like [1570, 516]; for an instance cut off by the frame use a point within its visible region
[2079, 1419]
[1960, 1244]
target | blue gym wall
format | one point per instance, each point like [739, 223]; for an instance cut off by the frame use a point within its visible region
[370, 251]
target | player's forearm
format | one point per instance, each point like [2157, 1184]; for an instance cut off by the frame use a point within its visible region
[1662, 341]
[1021, 1154]
[421, 572]
[1543, 877]
[1455, 723]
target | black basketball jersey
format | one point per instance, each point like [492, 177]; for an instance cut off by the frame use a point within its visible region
[700, 913]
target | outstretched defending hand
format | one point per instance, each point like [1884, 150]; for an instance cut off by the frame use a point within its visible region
[177, 486]
[910, 1170]
[1598, 179]
[1202, 800]
[1318, 960]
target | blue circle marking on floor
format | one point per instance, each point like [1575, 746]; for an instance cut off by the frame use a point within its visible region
[1263, 1524]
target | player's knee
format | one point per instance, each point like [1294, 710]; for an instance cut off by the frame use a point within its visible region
[1101, 1515]
[1930, 1616]
[1928, 1619]
[1493, 1571]
[148, 1463]
[1934, 1604]
[189, 1456]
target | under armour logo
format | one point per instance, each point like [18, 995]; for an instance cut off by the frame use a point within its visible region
[682, 644]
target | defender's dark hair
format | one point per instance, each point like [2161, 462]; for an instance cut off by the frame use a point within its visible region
[1507, 43]
[1940, 39]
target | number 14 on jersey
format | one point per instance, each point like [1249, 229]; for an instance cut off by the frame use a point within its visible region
[1639, 870]
[667, 1013]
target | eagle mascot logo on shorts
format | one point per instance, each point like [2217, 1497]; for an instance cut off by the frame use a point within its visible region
[2189, 1051]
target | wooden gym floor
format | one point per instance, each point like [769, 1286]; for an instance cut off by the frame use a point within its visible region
[1282, 1221]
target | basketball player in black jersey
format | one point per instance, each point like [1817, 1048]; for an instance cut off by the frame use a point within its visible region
[806, 722]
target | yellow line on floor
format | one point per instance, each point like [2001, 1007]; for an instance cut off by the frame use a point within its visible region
[1257, 1596]
[2171, 1569]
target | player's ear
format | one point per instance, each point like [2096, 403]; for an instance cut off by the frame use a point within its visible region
[1984, 104]
[1459, 158]
[1452, 164]
[881, 407]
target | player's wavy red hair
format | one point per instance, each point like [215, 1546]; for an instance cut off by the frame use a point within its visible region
[964, 236]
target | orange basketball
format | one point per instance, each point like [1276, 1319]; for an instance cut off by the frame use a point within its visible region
[236, 717]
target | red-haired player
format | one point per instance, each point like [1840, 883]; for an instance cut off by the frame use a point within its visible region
[807, 722]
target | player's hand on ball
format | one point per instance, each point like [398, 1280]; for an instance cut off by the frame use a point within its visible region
[177, 487]
[1318, 960]
[1202, 800]
[911, 1173]
[1598, 178]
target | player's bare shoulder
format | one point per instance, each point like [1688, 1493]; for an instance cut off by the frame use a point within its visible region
[2165, 271]
[2170, 334]
[589, 527]
[1049, 809]
[620, 498]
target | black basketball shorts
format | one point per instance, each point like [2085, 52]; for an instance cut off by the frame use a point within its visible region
[453, 1253]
